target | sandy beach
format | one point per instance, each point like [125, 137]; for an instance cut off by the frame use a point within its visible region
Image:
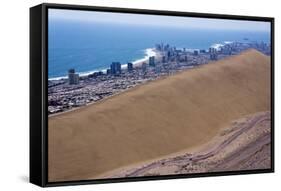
[178, 113]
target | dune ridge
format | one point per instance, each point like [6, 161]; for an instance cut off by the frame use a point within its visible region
[158, 118]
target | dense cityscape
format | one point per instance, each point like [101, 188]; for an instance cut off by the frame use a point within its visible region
[77, 91]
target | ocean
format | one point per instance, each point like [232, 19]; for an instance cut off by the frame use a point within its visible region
[88, 47]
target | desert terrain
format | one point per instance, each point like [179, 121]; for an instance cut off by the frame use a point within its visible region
[169, 116]
[245, 145]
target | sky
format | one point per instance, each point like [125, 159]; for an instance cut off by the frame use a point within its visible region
[157, 21]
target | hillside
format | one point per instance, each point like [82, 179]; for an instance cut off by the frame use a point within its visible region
[159, 118]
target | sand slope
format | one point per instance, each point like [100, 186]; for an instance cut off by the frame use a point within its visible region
[245, 145]
[158, 118]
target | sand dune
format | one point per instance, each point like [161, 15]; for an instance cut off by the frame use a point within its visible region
[159, 118]
[245, 145]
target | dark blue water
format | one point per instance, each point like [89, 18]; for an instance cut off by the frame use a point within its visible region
[93, 46]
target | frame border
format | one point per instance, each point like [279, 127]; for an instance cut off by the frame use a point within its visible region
[44, 91]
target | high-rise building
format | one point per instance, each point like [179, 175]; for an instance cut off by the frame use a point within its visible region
[212, 50]
[163, 59]
[169, 54]
[226, 50]
[115, 68]
[130, 67]
[108, 71]
[112, 68]
[118, 68]
[213, 53]
[143, 66]
[157, 69]
[152, 61]
[73, 78]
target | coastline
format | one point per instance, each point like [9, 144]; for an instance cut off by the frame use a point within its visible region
[136, 63]
[147, 53]
[168, 60]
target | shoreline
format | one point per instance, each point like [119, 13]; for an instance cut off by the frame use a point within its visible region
[168, 60]
[147, 53]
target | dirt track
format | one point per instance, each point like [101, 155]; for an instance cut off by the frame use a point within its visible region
[253, 135]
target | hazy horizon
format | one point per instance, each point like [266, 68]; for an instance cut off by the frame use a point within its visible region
[157, 20]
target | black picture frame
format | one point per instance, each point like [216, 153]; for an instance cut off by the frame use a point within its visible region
[39, 90]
